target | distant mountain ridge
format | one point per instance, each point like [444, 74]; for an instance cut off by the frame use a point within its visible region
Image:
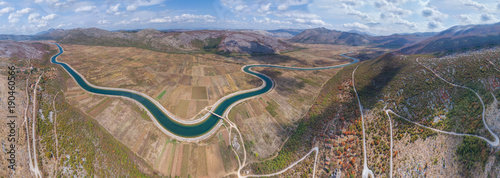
[457, 38]
[215, 41]
[326, 36]
[356, 38]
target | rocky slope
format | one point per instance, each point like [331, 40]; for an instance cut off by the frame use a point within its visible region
[22, 50]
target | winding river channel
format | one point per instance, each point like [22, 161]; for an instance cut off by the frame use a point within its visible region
[169, 122]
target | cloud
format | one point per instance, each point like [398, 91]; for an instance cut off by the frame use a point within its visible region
[356, 25]
[265, 8]
[498, 6]
[47, 1]
[85, 8]
[284, 5]
[474, 4]
[14, 17]
[433, 25]
[138, 3]
[184, 18]
[433, 13]
[267, 20]
[49, 17]
[24, 11]
[33, 18]
[352, 2]
[240, 7]
[131, 7]
[101, 22]
[464, 18]
[6, 10]
[3, 3]
[63, 25]
[486, 17]
[113, 9]
[427, 12]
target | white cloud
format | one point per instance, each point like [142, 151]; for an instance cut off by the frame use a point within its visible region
[6, 10]
[85, 8]
[49, 17]
[101, 22]
[25, 10]
[131, 7]
[284, 5]
[32, 18]
[474, 4]
[240, 7]
[267, 20]
[113, 8]
[63, 25]
[183, 18]
[356, 25]
[265, 8]
[37, 22]
[3, 3]
[14, 17]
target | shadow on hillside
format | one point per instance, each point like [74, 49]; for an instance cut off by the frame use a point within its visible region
[370, 87]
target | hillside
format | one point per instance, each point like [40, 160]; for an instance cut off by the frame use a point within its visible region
[326, 36]
[458, 38]
[356, 38]
[212, 41]
[402, 84]
[23, 50]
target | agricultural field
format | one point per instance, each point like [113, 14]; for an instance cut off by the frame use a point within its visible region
[195, 84]
[183, 83]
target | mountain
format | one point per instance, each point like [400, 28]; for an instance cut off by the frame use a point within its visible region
[326, 36]
[457, 38]
[400, 40]
[219, 41]
[357, 38]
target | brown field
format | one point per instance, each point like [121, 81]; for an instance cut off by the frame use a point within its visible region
[199, 93]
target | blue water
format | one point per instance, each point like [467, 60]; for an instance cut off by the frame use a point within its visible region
[182, 130]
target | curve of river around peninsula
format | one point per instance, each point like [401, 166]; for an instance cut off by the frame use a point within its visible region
[186, 129]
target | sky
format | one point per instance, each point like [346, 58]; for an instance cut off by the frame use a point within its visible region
[379, 17]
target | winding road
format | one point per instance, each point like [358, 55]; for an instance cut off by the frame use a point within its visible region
[366, 170]
[494, 143]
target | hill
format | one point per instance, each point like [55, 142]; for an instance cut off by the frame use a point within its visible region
[326, 36]
[220, 41]
[457, 38]
[23, 50]
[356, 38]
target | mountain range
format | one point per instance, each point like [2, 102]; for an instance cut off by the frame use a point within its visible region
[249, 42]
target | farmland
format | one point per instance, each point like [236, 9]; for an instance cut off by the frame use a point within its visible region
[187, 86]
